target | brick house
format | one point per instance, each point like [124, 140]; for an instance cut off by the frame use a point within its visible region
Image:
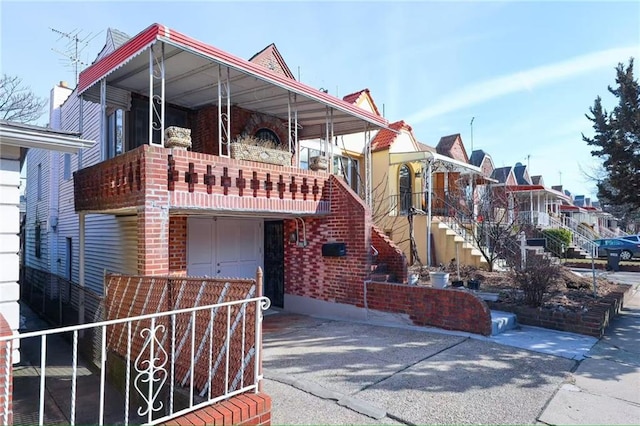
[136, 204]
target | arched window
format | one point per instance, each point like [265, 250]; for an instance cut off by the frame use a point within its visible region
[404, 190]
[267, 135]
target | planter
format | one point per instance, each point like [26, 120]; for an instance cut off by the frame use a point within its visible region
[242, 151]
[177, 137]
[473, 285]
[318, 163]
[413, 279]
[439, 279]
[457, 283]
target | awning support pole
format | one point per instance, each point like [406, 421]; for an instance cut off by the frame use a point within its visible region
[429, 194]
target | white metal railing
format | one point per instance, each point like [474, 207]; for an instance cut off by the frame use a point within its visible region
[159, 347]
[536, 218]
[584, 243]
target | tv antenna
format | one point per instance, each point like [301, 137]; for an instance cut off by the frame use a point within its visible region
[76, 42]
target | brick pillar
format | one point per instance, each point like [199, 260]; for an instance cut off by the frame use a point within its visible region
[153, 240]
[153, 215]
[6, 375]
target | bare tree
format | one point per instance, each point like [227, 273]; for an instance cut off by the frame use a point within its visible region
[18, 102]
[491, 225]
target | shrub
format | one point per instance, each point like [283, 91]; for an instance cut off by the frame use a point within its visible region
[536, 277]
[563, 235]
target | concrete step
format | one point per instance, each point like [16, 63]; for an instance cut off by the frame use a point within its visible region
[502, 321]
[382, 277]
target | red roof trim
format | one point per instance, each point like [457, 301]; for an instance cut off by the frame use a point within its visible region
[97, 71]
[156, 31]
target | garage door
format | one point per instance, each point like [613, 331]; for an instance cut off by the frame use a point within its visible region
[224, 247]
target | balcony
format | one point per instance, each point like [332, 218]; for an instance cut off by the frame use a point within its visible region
[188, 181]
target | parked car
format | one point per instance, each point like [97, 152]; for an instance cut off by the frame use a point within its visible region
[632, 238]
[628, 249]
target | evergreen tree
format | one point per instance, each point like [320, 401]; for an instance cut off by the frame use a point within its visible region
[617, 142]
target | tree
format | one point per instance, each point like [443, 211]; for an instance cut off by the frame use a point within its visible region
[18, 102]
[617, 141]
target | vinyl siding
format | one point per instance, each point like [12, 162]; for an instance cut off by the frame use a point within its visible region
[110, 241]
[10, 244]
[37, 209]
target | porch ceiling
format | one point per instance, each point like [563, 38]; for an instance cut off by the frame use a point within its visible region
[191, 81]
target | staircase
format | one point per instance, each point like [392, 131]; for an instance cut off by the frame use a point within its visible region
[448, 233]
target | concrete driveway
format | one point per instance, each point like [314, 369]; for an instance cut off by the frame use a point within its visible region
[321, 371]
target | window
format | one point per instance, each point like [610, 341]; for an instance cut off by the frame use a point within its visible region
[305, 154]
[38, 240]
[39, 183]
[115, 134]
[267, 135]
[138, 122]
[67, 166]
[68, 267]
[348, 169]
[405, 190]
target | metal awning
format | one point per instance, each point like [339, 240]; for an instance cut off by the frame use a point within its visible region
[535, 189]
[440, 162]
[28, 136]
[191, 81]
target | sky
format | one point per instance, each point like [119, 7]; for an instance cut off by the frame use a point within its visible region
[525, 72]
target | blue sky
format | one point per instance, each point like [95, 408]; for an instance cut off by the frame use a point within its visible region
[527, 71]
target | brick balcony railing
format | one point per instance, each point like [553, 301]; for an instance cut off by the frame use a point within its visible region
[194, 180]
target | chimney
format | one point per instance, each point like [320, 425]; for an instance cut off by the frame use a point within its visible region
[63, 84]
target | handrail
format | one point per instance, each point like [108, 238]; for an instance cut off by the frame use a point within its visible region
[161, 351]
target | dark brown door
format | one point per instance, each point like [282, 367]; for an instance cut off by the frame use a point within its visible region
[274, 262]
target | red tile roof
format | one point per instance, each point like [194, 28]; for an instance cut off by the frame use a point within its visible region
[354, 97]
[385, 138]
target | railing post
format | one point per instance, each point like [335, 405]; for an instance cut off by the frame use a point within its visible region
[259, 291]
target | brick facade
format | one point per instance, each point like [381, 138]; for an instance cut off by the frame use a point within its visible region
[390, 254]
[331, 279]
[178, 245]
[204, 134]
[443, 308]
[6, 375]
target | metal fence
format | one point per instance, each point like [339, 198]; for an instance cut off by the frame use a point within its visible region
[163, 378]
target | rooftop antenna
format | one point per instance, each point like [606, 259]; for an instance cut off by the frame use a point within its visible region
[298, 72]
[471, 125]
[76, 43]
[560, 174]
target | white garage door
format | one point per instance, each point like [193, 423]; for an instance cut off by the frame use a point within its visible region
[224, 247]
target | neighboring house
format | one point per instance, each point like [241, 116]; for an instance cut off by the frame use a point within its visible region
[138, 204]
[15, 140]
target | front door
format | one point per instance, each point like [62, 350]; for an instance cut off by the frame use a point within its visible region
[274, 262]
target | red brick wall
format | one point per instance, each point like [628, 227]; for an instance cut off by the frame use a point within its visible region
[390, 254]
[331, 279]
[245, 409]
[204, 135]
[153, 215]
[178, 245]
[5, 356]
[443, 308]
[593, 322]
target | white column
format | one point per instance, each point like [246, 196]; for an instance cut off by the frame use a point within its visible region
[429, 173]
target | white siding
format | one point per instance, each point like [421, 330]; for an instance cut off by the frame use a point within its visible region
[10, 244]
[110, 242]
[37, 209]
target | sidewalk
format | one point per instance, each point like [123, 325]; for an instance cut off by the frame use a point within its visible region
[605, 388]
